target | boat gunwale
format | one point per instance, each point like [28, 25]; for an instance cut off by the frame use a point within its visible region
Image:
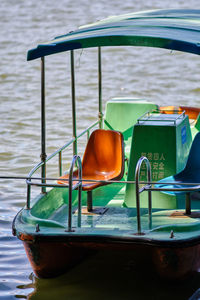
[73, 238]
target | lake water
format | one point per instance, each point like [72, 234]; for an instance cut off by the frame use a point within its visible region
[161, 76]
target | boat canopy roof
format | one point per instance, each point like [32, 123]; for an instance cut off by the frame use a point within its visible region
[175, 29]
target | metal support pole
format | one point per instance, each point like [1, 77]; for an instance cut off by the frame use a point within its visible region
[79, 190]
[73, 103]
[149, 193]
[187, 204]
[74, 160]
[60, 163]
[137, 174]
[43, 125]
[100, 88]
[89, 201]
[137, 184]
[28, 204]
[88, 135]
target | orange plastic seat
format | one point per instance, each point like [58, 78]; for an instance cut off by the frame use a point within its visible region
[192, 112]
[103, 159]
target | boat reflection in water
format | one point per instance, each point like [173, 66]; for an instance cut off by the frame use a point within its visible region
[112, 276]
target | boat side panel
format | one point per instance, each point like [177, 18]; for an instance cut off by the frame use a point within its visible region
[176, 263]
[49, 202]
[53, 259]
[50, 259]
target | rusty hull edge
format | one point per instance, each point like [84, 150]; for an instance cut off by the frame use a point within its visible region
[176, 263]
[52, 258]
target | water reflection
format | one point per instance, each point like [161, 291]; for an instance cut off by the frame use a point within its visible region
[111, 276]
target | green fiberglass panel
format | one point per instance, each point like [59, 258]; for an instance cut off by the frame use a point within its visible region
[122, 114]
[51, 209]
[197, 125]
[196, 128]
[176, 29]
[165, 140]
[51, 201]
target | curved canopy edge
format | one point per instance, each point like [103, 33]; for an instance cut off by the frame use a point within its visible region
[169, 29]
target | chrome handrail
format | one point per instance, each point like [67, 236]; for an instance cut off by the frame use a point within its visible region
[57, 152]
[50, 157]
[62, 148]
[138, 191]
[145, 116]
[148, 187]
[75, 159]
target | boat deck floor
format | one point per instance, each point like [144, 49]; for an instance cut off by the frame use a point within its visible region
[122, 218]
[111, 217]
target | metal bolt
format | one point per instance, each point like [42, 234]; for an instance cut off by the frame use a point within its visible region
[37, 228]
[171, 234]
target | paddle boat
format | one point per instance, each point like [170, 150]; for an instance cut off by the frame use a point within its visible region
[136, 188]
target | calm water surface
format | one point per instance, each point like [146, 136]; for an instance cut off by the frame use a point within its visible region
[158, 75]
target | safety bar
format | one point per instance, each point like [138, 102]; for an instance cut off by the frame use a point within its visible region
[193, 186]
[148, 187]
[39, 165]
[188, 190]
[59, 153]
[146, 116]
[138, 191]
[75, 159]
[60, 150]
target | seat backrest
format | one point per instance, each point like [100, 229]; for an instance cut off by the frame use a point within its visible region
[193, 162]
[104, 154]
[122, 113]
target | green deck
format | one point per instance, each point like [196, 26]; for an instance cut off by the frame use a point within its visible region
[116, 222]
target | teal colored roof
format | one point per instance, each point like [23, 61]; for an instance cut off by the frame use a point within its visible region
[171, 29]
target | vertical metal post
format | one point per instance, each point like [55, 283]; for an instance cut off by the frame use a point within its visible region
[70, 198]
[88, 135]
[137, 186]
[100, 88]
[73, 103]
[149, 193]
[74, 160]
[187, 204]
[28, 205]
[43, 125]
[89, 201]
[79, 190]
[137, 174]
[60, 163]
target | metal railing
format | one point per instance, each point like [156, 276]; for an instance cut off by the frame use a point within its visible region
[73, 187]
[58, 152]
[76, 183]
[71, 184]
[139, 190]
[188, 188]
[152, 116]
